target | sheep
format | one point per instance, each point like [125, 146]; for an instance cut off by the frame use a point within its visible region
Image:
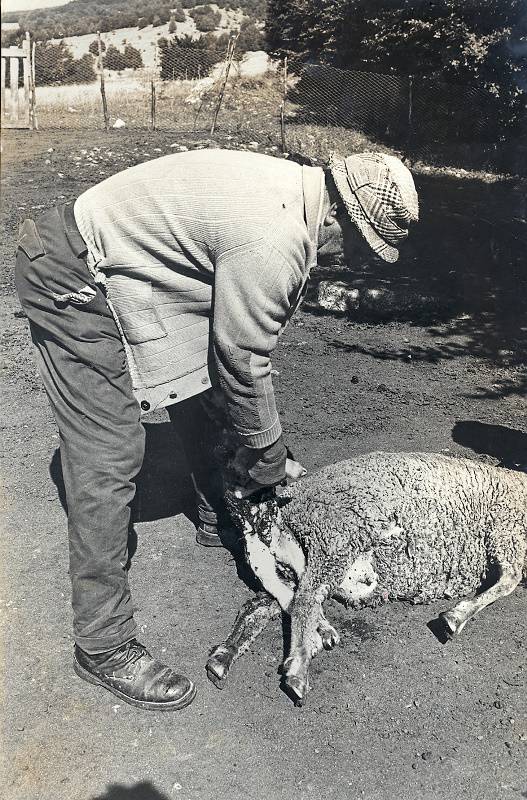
[374, 528]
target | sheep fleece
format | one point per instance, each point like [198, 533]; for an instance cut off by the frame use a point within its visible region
[431, 525]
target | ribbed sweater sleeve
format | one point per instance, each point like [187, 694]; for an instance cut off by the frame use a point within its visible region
[255, 288]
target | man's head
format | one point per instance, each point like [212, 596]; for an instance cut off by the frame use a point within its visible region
[371, 200]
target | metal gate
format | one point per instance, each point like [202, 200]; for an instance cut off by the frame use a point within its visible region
[17, 87]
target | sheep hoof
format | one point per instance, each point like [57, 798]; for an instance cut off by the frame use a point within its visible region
[452, 624]
[219, 664]
[296, 688]
[330, 637]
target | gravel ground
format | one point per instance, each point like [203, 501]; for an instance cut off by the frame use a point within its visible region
[393, 712]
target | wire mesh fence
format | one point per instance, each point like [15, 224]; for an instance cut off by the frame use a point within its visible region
[205, 85]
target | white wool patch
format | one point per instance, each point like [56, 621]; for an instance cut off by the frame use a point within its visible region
[360, 580]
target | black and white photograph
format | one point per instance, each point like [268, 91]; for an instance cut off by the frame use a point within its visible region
[264, 389]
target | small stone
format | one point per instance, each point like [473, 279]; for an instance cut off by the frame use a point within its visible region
[427, 755]
[354, 378]
[119, 123]
[498, 704]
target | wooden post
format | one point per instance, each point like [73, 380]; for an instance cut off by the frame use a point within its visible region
[27, 79]
[230, 55]
[103, 90]
[153, 93]
[2, 87]
[13, 86]
[282, 109]
[33, 89]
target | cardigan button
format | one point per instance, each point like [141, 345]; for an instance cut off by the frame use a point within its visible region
[173, 395]
[145, 405]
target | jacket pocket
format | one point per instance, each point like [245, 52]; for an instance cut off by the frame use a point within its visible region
[131, 299]
[29, 240]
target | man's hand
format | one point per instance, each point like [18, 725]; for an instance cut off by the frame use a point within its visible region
[293, 471]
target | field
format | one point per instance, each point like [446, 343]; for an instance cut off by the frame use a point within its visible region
[394, 713]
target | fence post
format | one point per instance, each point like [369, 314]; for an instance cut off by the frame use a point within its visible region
[153, 93]
[26, 46]
[282, 108]
[230, 56]
[103, 90]
[33, 89]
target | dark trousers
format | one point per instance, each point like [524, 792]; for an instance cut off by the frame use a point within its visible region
[82, 362]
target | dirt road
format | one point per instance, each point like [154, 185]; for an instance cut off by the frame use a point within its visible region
[393, 713]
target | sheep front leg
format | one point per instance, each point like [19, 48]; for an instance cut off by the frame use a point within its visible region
[250, 622]
[456, 619]
[306, 640]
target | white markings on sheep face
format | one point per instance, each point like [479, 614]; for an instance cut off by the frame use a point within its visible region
[263, 564]
[287, 550]
[360, 580]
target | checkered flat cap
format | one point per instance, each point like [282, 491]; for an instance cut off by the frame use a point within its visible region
[379, 194]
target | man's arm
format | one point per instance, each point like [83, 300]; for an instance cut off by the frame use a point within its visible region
[254, 292]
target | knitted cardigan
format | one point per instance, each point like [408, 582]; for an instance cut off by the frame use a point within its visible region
[205, 256]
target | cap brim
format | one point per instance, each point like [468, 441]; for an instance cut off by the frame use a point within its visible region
[357, 216]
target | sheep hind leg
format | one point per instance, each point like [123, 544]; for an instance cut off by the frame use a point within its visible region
[249, 624]
[329, 636]
[458, 616]
[306, 640]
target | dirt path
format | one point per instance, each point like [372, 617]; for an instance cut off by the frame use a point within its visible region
[393, 713]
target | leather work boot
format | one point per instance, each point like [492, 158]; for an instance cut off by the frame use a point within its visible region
[131, 674]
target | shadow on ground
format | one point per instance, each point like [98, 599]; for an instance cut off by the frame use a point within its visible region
[141, 791]
[506, 444]
[164, 488]
[461, 274]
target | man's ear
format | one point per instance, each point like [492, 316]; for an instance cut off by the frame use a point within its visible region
[331, 215]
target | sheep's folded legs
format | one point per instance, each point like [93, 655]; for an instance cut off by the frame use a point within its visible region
[250, 622]
[456, 619]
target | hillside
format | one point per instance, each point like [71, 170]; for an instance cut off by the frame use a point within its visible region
[144, 39]
[81, 17]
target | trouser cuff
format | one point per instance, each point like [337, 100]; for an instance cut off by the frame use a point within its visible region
[102, 644]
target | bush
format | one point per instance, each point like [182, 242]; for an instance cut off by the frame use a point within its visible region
[133, 57]
[250, 38]
[114, 59]
[185, 58]
[206, 18]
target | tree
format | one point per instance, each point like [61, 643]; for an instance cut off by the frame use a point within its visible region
[114, 59]
[94, 47]
[454, 39]
[206, 18]
[185, 58]
[133, 57]
[250, 38]
[55, 65]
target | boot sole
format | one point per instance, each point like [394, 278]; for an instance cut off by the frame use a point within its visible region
[173, 705]
[208, 539]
